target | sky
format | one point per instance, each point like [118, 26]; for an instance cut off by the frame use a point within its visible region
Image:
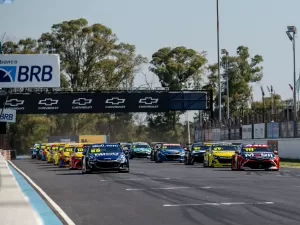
[151, 25]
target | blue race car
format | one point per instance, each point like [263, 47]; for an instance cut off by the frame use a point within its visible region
[105, 157]
[170, 152]
[33, 152]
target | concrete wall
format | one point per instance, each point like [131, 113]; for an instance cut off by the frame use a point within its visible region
[287, 148]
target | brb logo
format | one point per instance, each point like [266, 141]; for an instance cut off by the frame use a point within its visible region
[25, 73]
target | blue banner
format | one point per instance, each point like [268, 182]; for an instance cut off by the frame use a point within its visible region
[273, 130]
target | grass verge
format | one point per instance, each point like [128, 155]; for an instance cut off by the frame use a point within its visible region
[290, 163]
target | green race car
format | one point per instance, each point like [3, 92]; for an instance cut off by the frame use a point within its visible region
[140, 150]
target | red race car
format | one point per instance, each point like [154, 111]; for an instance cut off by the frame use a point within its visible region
[76, 157]
[255, 157]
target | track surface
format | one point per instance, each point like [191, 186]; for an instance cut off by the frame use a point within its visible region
[171, 194]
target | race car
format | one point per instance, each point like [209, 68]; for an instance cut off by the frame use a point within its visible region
[51, 152]
[170, 152]
[56, 154]
[45, 151]
[64, 156]
[255, 157]
[126, 146]
[76, 157]
[40, 151]
[196, 153]
[219, 155]
[105, 157]
[140, 150]
[154, 149]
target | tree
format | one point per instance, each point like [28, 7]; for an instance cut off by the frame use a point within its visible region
[242, 72]
[91, 58]
[174, 67]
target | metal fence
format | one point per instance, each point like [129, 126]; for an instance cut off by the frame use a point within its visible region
[271, 130]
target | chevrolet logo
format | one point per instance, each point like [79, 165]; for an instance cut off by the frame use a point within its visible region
[82, 101]
[115, 101]
[14, 102]
[48, 102]
[148, 101]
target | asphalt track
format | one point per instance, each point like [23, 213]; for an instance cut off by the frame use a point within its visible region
[171, 194]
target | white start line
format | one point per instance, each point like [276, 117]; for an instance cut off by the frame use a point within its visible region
[219, 204]
[133, 179]
[164, 188]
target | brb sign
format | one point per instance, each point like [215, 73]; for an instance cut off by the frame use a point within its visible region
[8, 115]
[29, 71]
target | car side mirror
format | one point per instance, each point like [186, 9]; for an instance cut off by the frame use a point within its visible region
[275, 152]
[84, 153]
[237, 152]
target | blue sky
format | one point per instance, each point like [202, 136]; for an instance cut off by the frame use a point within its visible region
[150, 25]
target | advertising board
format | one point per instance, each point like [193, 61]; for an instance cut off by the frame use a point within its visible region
[247, 131]
[259, 131]
[8, 115]
[29, 71]
[92, 138]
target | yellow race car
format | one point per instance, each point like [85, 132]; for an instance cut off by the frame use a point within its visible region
[219, 155]
[56, 154]
[64, 156]
[45, 151]
[51, 152]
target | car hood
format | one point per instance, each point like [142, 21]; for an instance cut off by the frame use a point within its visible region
[105, 156]
[78, 154]
[67, 154]
[172, 151]
[141, 149]
[223, 153]
[258, 155]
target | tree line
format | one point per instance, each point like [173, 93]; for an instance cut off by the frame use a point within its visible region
[92, 56]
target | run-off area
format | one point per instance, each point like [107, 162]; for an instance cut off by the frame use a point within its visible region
[170, 193]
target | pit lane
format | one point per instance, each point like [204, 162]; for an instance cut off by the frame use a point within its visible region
[170, 193]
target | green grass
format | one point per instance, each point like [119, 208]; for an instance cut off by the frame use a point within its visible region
[290, 163]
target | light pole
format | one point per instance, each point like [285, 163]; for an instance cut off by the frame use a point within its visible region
[225, 52]
[188, 86]
[291, 31]
[219, 76]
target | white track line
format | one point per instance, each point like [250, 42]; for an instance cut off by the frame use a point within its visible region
[53, 204]
[164, 188]
[133, 179]
[219, 204]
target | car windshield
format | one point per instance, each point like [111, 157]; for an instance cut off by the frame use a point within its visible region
[141, 146]
[79, 149]
[224, 148]
[171, 147]
[69, 149]
[256, 149]
[197, 147]
[105, 149]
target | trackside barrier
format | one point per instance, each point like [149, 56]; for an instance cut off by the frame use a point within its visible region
[7, 154]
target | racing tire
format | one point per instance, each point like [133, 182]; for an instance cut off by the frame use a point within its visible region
[71, 165]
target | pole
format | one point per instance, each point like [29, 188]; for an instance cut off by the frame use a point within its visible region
[227, 87]
[219, 76]
[188, 126]
[263, 102]
[294, 56]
